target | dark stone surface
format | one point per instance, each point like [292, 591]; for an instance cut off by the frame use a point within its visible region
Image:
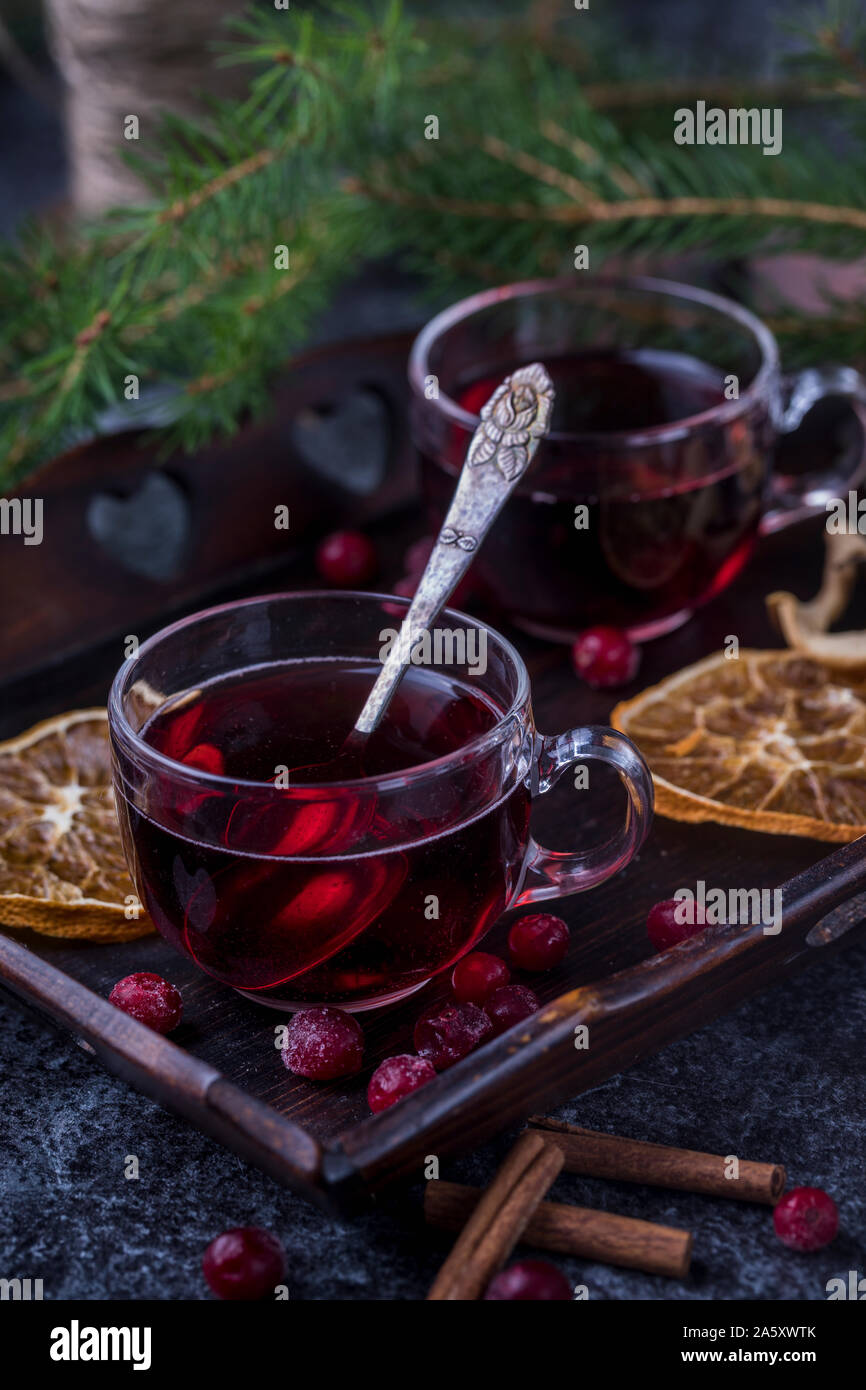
[780, 1080]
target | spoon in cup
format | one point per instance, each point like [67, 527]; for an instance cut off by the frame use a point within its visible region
[513, 422]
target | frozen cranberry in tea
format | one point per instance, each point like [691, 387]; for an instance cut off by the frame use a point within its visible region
[246, 1263]
[206, 758]
[448, 1032]
[510, 1005]
[323, 1044]
[397, 1077]
[538, 942]
[806, 1218]
[477, 975]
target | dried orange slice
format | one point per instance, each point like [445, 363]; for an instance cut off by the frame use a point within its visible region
[804, 625]
[62, 869]
[769, 741]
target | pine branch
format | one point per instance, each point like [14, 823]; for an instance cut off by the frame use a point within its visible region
[326, 155]
[586, 208]
[149, 271]
[625, 191]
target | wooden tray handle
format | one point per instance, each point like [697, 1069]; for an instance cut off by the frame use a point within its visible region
[589, 1034]
[164, 1071]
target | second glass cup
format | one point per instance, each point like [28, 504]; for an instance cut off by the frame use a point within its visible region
[649, 493]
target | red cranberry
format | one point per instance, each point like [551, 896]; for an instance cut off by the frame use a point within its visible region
[406, 589]
[510, 1005]
[346, 558]
[663, 927]
[205, 757]
[447, 1032]
[806, 1218]
[529, 1279]
[477, 975]
[419, 552]
[538, 942]
[604, 656]
[416, 561]
[397, 1077]
[323, 1043]
[245, 1263]
[150, 999]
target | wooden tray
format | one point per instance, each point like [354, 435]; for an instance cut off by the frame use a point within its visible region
[222, 1070]
[313, 1137]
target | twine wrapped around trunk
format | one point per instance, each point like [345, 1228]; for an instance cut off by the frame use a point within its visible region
[123, 58]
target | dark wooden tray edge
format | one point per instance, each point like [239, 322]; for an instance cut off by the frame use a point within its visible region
[532, 1066]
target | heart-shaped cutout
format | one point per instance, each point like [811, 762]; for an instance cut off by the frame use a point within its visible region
[146, 532]
[347, 442]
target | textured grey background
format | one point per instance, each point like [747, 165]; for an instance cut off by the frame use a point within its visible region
[782, 1078]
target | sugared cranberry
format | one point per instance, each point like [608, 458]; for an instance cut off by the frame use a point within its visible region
[510, 1005]
[244, 1263]
[538, 942]
[447, 1032]
[150, 999]
[529, 1279]
[806, 1218]
[604, 656]
[477, 975]
[346, 558]
[397, 1077]
[323, 1043]
[664, 927]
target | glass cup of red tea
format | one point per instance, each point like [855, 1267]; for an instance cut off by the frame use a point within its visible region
[352, 893]
[657, 477]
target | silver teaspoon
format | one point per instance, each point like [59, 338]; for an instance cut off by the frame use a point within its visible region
[513, 423]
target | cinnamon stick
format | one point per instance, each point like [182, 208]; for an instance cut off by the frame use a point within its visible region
[497, 1219]
[599, 1155]
[592, 1235]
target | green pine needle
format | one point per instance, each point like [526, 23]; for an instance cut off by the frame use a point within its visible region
[540, 147]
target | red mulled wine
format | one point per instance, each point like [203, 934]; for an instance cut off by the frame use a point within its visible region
[331, 892]
[611, 526]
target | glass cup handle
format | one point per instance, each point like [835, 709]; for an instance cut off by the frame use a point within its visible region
[794, 498]
[550, 873]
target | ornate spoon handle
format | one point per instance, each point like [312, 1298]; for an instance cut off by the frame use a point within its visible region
[513, 422]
